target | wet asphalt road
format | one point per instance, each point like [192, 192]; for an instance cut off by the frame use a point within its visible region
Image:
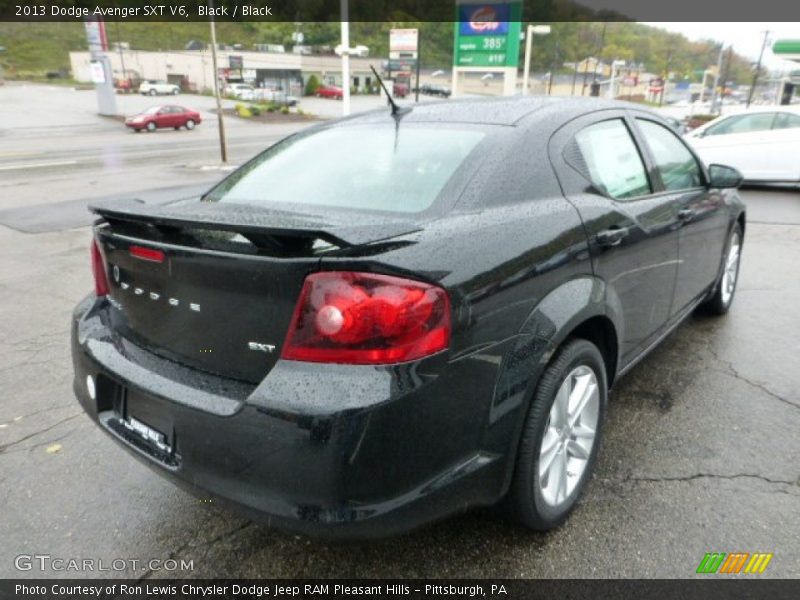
[701, 449]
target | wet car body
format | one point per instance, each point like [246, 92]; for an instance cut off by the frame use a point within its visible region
[519, 240]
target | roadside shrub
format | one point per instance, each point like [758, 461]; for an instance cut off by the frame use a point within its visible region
[243, 111]
[312, 85]
[284, 110]
[255, 110]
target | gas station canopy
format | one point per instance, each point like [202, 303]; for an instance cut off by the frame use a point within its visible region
[787, 49]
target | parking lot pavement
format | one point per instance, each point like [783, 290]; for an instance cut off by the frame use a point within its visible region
[701, 450]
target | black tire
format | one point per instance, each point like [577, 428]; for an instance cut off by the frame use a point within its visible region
[152, 92]
[190, 124]
[526, 501]
[175, 92]
[719, 303]
[151, 127]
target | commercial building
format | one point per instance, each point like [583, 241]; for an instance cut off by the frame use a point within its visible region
[192, 70]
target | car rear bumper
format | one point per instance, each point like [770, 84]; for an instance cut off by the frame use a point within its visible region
[330, 451]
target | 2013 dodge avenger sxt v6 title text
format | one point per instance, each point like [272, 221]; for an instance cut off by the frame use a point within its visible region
[383, 320]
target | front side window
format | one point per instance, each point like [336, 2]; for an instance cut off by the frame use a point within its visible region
[742, 124]
[786, 121]
[373, 167]
[678, 167]
[613, 163]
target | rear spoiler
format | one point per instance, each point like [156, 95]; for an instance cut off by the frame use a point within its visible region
[252, 220]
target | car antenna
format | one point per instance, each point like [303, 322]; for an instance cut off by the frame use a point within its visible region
[397, 112]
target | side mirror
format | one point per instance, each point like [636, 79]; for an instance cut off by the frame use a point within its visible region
[721, 176]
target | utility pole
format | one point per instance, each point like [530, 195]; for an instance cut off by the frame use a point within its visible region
[758, 68]
[222, 150]
[419, 60]
[716, 78]
[345, 58]
[725, 77]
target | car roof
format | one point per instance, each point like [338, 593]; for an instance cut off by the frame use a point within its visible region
[507, 110]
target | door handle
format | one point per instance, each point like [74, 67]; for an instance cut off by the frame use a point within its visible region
[686, 214]
[611, 237]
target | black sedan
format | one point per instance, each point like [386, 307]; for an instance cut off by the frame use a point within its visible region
[381, 321]
[429, 89]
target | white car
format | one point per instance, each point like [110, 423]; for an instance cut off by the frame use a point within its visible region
[241, 91]
[153, 87]
[763, 143]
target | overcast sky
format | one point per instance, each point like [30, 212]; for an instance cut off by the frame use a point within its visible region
[745, 37]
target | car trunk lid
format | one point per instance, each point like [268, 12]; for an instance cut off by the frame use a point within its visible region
[215, 286]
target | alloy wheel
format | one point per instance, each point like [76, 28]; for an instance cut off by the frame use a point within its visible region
[569, 436]
[731, 271]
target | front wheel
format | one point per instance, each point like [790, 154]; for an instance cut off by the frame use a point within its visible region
[175, 91]
[561, 437]
[721, 299]
[189, 124]
[152, 92]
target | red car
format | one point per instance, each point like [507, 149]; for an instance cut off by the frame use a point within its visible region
[164, 116]
[330, 91]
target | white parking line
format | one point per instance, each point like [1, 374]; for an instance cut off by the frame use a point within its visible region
[59, 163]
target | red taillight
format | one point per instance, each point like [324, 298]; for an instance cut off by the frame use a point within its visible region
[99, 271]
[150, 254]
[363, 318]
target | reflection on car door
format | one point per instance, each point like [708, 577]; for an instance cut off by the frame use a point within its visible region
[703, 220]
[632, 231]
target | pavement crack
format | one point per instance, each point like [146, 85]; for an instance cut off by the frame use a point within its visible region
[5, 447]
[734, 372]
[696, 476]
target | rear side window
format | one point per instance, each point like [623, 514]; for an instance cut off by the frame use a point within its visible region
[613, 163]
[678, 167]
[786, 121]
[377, 167]
[742, 124]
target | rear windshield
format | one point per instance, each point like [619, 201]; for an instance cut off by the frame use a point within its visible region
[381, 168]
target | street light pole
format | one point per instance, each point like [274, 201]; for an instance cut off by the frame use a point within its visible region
[221, 125]
[345, 59]
[758, 68]
[526, 74]
[530, 32]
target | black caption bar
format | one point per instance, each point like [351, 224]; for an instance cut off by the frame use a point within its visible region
[411, 589]
[393, 10]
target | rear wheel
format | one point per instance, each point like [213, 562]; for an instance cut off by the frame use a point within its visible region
[720, 301]
[190, 124]
[561, 437]
[151, 127]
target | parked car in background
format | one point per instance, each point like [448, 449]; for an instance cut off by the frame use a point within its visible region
[157, 117]
[378, 322]
[276, 95]
[400, 89]
[240, 91]
[763, 143]
[329, 91]
[429, 89]
[155, 87]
